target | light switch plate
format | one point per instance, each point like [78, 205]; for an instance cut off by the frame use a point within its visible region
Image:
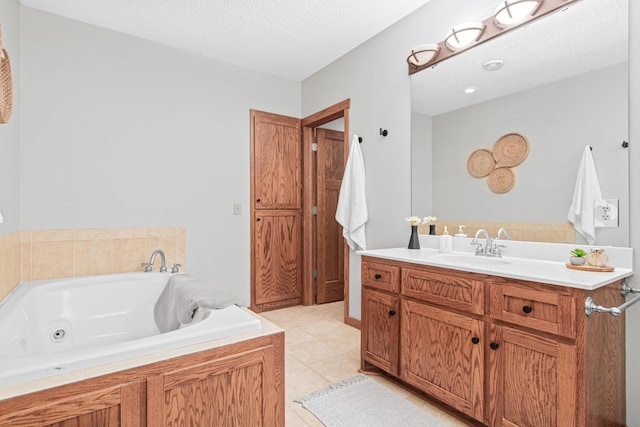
[237, 209]
[606, 213]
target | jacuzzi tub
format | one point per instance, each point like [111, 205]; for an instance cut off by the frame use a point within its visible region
[64, 325]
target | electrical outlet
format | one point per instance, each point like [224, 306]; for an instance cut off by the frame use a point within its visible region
[237, 209]
[606, 213]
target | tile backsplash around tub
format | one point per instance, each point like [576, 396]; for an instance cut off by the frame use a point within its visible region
[51, 254]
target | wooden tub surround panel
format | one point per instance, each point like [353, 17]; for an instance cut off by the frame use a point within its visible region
[238, 384]
[497, 351]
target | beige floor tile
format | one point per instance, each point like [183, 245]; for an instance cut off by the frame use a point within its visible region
[319, 350]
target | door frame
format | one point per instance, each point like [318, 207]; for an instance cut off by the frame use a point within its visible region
[336, 111]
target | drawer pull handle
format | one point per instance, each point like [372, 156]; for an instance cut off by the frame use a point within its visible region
[392, 313]
[494, 345]
[527, 309]
[475, 340]
[378, 276]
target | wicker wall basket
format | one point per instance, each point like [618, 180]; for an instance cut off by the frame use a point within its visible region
[511, 149]
[6, 85]
[480, 163]
[501, 180]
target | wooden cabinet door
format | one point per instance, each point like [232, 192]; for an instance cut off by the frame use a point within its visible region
[111, 406]
[442, 353]
[532, 380]
[276, 211]
[380, 323]
[238, 390]
[276, 161]
[278, 279]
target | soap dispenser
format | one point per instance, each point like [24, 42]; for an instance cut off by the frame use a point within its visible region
[460, 232]
[446, 241]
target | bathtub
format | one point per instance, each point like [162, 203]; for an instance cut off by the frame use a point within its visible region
[65, 325]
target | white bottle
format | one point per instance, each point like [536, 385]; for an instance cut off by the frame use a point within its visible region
[460, 232]
[446, 241]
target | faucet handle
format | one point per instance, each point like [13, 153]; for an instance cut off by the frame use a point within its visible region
[147, 267]
[175, 268]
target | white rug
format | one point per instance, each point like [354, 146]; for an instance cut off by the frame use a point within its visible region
[360, 401]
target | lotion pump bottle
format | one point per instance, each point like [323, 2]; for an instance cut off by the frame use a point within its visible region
[446, 241]
[460, 232]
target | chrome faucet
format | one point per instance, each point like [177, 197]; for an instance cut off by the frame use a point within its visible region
[488, 243]
[502, 231]
[497, 248]
[148, 266]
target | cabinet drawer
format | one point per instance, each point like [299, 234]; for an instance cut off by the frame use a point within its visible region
[547, 311]
[445, 289]
[381, 276]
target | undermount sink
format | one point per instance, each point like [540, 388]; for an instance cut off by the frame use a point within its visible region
[468, 259]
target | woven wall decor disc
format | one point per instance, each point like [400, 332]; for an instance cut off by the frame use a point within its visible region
[6, 88]
[480, 163]
[511, 149]
[501, 180]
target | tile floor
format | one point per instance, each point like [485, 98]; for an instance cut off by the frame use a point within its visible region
[319, 350]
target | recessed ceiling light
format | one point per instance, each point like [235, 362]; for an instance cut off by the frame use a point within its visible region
[470, 89]
[493, 64]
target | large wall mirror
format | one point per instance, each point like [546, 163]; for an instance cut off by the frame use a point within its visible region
[563, 85]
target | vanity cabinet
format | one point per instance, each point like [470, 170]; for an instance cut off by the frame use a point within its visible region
[504, 352]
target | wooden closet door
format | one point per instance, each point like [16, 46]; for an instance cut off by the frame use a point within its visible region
[276, 211]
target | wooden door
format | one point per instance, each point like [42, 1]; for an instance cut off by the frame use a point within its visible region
[442, 354]
[276, 211]
[329, 246]
[532, 380]
[380, 316]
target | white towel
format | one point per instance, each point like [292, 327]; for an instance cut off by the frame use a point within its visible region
[352, 213]
[585, 193]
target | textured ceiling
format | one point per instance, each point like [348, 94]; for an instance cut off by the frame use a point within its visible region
[288, 38]
[590, 35]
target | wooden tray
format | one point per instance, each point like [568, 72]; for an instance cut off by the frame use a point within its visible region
[607, 269]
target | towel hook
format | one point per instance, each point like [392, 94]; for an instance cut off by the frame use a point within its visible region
[360, 139]
[625, 144]
[383, 132]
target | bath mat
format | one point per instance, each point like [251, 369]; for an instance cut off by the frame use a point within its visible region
[360, 401]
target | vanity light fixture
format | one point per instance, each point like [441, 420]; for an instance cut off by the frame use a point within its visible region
[423, 54]
[511, 12]
[509, 15]
[463, 35]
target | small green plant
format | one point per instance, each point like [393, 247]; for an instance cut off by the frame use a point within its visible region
[578, 252]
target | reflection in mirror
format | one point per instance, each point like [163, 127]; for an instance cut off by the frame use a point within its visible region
[563, 85]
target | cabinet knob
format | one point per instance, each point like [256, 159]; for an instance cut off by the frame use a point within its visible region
[475, 340]
[527, 309]
[378, 276]
[258, 219]
[392, 313]
[258, 200]
[494, 345]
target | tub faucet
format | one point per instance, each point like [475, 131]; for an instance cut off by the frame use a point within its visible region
[148, 266]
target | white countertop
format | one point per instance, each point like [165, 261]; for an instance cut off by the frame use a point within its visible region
[532, 268]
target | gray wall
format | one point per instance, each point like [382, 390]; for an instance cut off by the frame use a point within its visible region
[558, 119]
[121, 132]
[10, 132]
[422, 162]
